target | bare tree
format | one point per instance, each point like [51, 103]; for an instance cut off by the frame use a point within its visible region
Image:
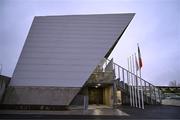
[174, 83]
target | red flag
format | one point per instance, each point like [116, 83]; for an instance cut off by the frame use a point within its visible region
[139, 56]
[137, 66]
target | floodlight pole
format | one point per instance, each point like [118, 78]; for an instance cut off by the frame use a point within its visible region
[1, 74]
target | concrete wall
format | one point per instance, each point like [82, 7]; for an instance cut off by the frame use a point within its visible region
[40, 95]
[2, 90]
[4, 81]
[119, 97]
[108, 96]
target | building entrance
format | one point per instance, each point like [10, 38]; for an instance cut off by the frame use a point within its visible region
[95, 95]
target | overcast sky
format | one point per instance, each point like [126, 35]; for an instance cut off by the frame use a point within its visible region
[156, 27]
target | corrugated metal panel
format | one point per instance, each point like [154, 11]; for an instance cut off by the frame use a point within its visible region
[64, 50]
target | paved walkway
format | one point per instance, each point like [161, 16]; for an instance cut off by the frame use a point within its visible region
[126, 112]
[90, 107]
[153, 112]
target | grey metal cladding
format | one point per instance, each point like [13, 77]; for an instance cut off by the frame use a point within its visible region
[64, 50]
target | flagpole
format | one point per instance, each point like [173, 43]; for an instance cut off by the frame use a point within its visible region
[142, 96]
[129, 79]
[140, 65]
[134, 76]
[133, 101]
[137, 84]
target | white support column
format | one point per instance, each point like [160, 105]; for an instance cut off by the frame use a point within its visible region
[86, 102]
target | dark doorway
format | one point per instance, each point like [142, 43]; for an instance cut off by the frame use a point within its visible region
[95, 95]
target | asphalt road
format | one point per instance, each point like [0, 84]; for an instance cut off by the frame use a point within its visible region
[150, 112]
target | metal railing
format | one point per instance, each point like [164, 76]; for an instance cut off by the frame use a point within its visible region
[140, 91]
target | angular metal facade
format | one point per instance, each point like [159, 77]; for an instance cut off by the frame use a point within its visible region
[59, 55]
[63, 51]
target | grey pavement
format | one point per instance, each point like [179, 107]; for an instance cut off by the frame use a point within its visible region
[123, 112]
